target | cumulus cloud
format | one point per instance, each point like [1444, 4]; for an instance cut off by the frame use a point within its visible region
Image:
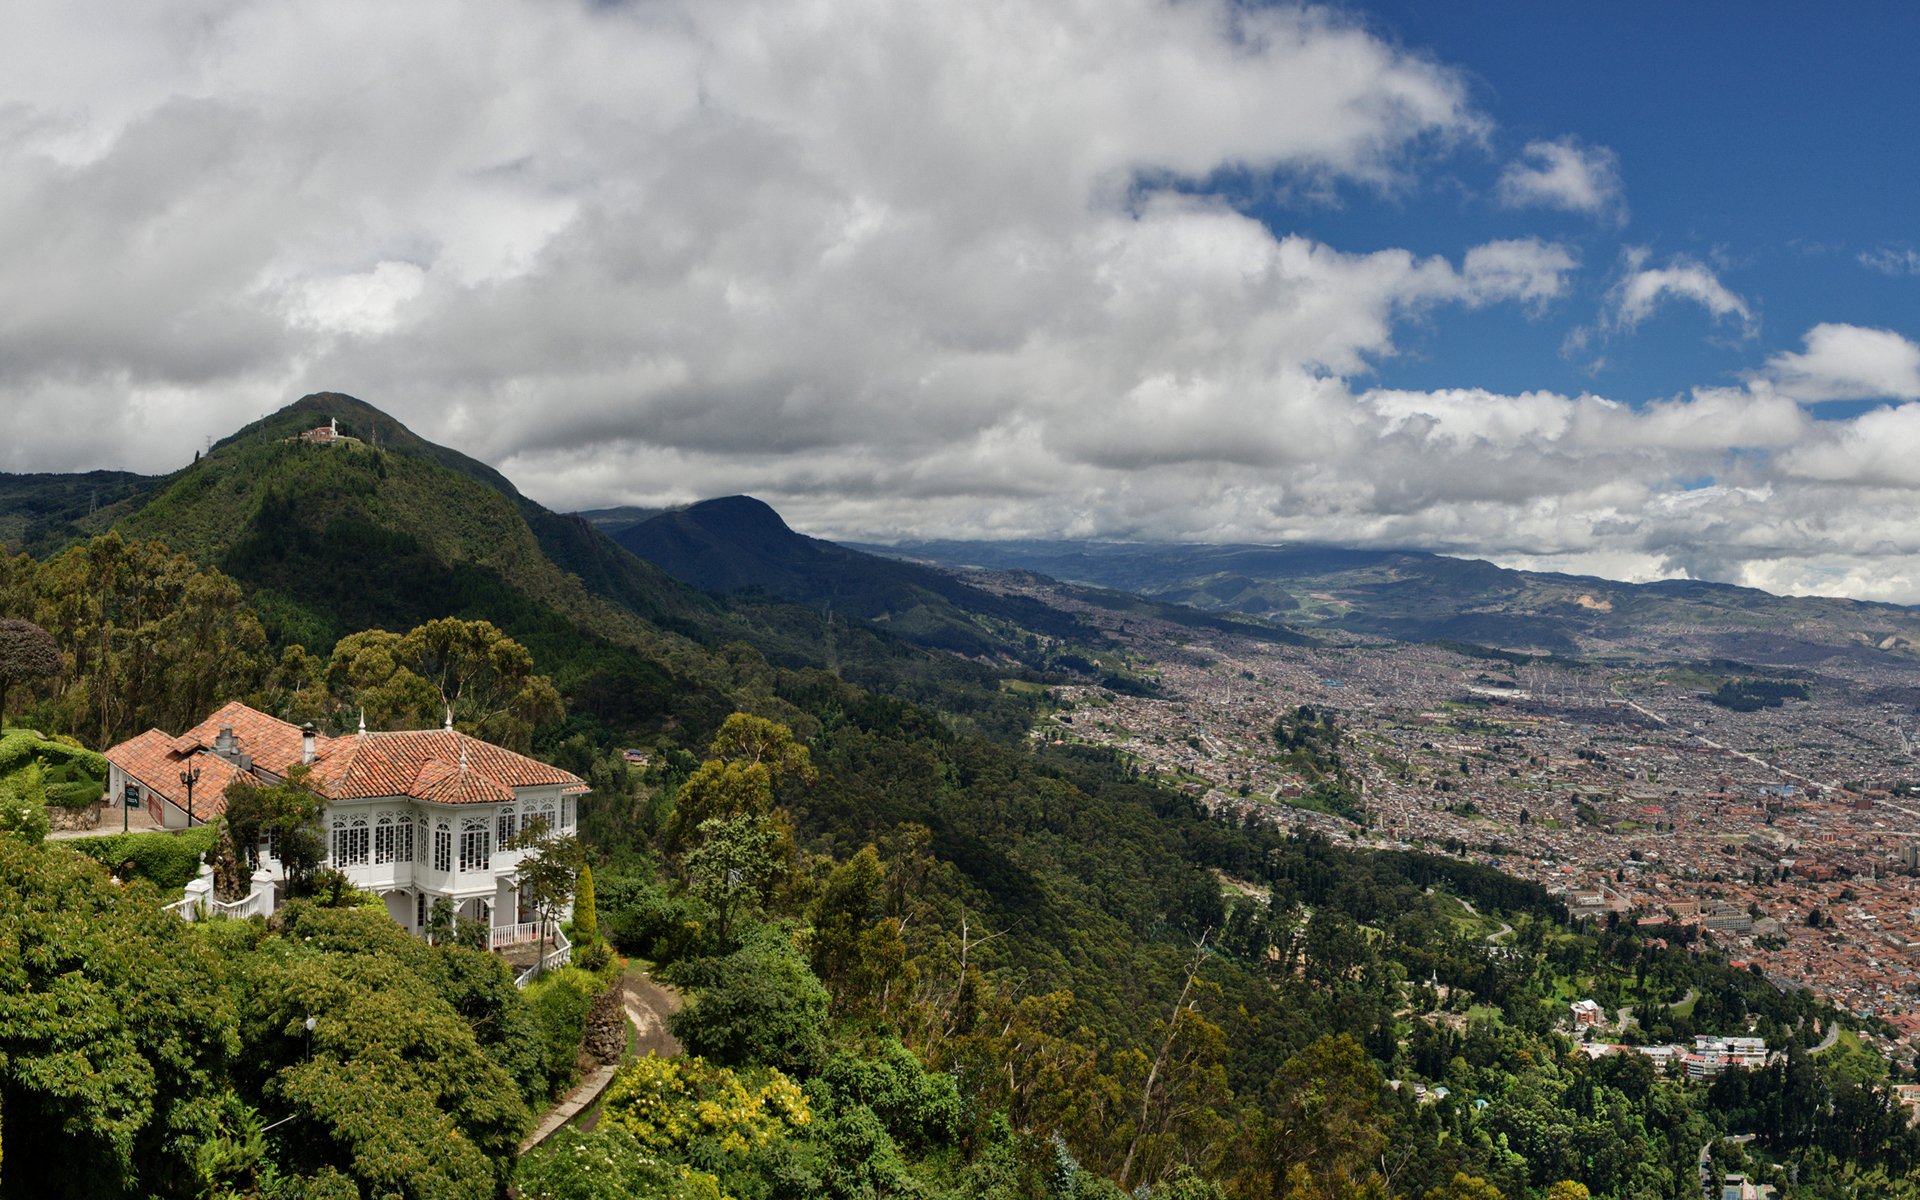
[1848, 362]
[900, 268]
[1566, 175]
[1643, 289]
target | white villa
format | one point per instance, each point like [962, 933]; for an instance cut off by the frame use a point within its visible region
[411, 816]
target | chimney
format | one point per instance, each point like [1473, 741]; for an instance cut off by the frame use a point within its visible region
[223, 745]
[306, 744]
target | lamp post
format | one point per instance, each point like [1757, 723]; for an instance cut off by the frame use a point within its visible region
[190, 776]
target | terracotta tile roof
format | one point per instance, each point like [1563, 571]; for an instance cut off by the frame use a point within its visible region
[152, 760]
[362, 766]
[388, 764]
[445, 783]
[273, 743]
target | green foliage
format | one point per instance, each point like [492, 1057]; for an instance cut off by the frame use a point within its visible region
[920, 1109]
[608, 1163]
[559, 1002]
[111, 1024]
[705, 1112]
[74, 776]
[758, 1005]
[169, 861]
[644, 918]
[23, 806]
[586, 916]
[1752, 695]
[151, 639]
[286, 816]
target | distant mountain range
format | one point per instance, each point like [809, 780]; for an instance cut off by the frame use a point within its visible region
[1419, 597]
[738, 544]
[392, 529]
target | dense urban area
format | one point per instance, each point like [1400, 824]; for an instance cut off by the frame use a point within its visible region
[1786, 836]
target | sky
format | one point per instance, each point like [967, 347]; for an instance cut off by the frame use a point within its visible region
[1630, 290]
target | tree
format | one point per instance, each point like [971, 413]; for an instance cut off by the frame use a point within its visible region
[753, 764]
[854, 946]
[470, 669]
[152, 639]
[1465, 1187]
[736, 859]
[26, 652]
[586, 920]
[547, 872]
[285, 816]
[759, 1006]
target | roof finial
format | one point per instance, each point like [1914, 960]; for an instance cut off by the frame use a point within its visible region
[449, 723]
[463, 758]
[363, 720]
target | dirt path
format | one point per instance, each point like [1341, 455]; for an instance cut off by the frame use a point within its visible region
[648, 1007]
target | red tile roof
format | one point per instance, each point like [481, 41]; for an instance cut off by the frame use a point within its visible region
[444, 766]
[152, 761]
[388, 764]
[444, 783]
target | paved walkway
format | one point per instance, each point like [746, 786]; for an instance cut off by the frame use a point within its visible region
[137, 821]
[569, 1107]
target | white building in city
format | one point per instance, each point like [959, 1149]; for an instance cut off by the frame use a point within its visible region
[412, 816]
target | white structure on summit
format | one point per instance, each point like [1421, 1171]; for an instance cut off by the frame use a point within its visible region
[412, 816]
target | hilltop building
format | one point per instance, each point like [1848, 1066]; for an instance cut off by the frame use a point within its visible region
[412, 816]
[325, 435]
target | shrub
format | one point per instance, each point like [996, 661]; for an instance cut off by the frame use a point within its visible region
[758, 1005]
[642, 919]
[692, 1107]
[560, 1001]
[169, 861]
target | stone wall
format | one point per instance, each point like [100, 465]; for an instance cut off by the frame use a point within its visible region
[75, 818]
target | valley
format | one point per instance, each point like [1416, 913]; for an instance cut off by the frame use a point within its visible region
[1783, 837]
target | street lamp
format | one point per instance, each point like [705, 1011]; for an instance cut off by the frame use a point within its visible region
[190, 776]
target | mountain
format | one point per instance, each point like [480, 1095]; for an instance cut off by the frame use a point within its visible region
[738, 543]
[1415, 596]
[44, 511]
[379, 528]
[613, 521]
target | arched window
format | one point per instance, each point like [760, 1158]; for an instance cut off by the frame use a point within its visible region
[506, 825]
[420, 847]
[350, 841]
[386, 839]
[476, 844]
[442, 846]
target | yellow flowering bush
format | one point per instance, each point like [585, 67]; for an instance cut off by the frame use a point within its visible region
[669, 1104]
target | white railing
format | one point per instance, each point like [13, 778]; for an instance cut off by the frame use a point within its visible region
[205, 908]
[513, 935]
[559, 956]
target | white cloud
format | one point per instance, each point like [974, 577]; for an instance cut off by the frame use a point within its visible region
[1848, 362]
[1892, 260]
[899, 267]
[1644, 289]
[1567, 175]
